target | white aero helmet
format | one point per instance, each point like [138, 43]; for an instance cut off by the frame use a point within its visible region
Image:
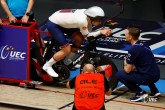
[94, 11]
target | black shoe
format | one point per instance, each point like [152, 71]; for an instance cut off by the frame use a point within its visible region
[139, 96]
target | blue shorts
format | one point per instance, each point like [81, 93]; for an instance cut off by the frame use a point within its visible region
[57, 33]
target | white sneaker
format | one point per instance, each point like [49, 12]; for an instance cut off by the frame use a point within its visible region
[50, 70]
[139, 96]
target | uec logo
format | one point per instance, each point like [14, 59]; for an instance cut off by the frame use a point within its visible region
[8, 52]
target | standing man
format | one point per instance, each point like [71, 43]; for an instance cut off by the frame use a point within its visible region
[140, 57]
[18, 10]
[21, 10]
[90, 89]
[76, 23]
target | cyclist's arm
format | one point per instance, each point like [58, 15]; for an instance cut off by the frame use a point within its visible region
[105, 32]
[94, 34]
[85, 32]
[84, 29]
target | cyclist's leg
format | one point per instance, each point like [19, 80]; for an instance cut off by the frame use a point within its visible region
[59, 38]
[76, 43]
[78, 40]
[77, 37]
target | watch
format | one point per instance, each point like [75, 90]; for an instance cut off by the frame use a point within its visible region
[27, 14]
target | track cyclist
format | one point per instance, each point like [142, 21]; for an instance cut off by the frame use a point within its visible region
[77, 23]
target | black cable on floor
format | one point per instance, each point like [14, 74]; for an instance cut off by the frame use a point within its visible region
[66, 105]
[116, 96]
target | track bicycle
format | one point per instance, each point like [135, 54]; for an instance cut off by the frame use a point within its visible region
[86, 54]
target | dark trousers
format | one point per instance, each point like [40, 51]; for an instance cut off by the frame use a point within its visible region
[133, 80]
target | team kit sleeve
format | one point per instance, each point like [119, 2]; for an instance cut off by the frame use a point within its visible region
[131, 56]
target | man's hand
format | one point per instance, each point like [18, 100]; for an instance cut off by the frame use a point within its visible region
[133, 68]
[128, 67]
[0, 22]
[108, 93]
[12, 19]
[106, 31]
[25, 19]
[67, 85]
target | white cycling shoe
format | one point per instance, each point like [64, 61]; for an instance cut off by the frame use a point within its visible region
[50, 70]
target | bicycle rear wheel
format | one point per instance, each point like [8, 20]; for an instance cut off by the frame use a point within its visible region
[98, 60]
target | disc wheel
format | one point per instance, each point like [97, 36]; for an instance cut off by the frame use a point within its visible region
[62, 71]
[97, 59]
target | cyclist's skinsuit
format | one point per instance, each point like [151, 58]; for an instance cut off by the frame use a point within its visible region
[67, 21]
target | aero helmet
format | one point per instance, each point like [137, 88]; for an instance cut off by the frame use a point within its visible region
[94, 11]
